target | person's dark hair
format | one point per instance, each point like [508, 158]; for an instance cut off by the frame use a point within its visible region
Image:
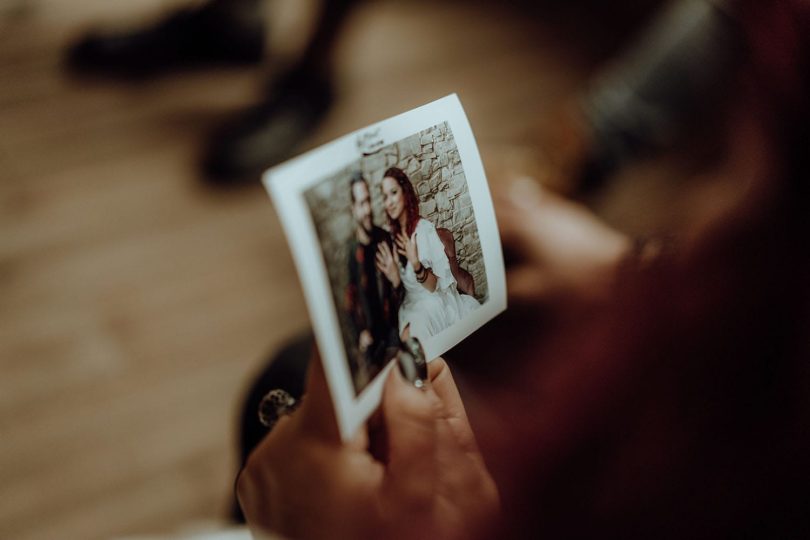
[357, 177]
[411, 201]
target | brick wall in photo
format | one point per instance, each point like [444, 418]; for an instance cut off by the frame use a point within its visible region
[431, 160]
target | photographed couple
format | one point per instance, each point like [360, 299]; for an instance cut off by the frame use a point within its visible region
[402, 283]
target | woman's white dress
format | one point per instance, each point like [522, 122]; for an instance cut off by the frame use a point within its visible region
[428, 313]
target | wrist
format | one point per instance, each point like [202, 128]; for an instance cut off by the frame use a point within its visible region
[422, 276]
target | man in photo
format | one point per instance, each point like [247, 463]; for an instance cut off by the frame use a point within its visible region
[374, 290]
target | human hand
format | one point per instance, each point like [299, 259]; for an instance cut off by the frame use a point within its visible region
[407, 246]
[564, 250]
[430, 480]
[364, 341]
[387, 264]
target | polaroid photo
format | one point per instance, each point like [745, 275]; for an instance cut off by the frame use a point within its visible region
[393, 234]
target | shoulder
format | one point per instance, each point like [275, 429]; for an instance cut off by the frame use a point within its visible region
[425, 226]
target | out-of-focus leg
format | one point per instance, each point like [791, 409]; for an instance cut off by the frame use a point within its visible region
[295, 103]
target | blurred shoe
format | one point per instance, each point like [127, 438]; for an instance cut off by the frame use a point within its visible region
[194, 38]
[272, 131]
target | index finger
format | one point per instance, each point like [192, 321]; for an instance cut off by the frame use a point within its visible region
[385, 249]
[442, 382]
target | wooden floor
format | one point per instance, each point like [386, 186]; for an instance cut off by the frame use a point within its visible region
[135, 301]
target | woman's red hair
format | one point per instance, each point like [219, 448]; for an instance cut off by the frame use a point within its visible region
[411, 202]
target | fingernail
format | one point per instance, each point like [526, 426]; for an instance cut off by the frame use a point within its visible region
[407, 368]
[274, 405]
[412, 364]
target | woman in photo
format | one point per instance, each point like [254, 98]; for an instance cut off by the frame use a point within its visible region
[432, 301]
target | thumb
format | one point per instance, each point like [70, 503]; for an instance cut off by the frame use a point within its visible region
[410, 417]
[316, 415]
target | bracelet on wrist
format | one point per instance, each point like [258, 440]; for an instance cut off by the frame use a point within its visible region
[423, 275]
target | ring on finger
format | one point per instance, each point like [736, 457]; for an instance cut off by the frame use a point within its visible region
[275, 404]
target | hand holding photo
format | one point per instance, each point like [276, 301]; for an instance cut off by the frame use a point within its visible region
[394, 236]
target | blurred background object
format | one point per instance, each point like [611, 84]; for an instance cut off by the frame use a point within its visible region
[229, 33]
[136, 302]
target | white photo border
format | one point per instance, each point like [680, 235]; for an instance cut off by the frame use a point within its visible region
[286, 185]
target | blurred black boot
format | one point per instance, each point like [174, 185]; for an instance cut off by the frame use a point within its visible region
[272, 131]
[295, 104]
[219, 33]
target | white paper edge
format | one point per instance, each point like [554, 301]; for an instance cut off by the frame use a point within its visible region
[286, 184]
